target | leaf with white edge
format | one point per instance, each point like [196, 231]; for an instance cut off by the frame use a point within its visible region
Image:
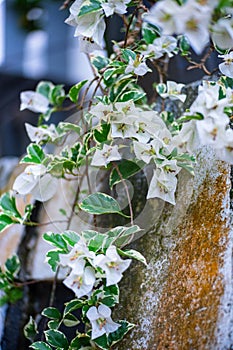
[99, 62]
[12, 265]
[161, 88]
[74, 91]
[89, 234]
[71, 237]
[73, 305]
[149, 32]
[52, 258]
[102, 342]
[82, 341]
[66, 127]
[134, 95]
[89, 6]
[56, 339]
[35, 154]
[40, 345]
[133, 254]
[30, 329]
[8, 204]
[127, 168]
[119, 334]
[127, 54]
[6, 221]
[70, 320]
[53, 324]
[121, 236]
[44, 88]
[100, 203]
[56, 240]
[51, 312]
[96, 242]
[57, 95]
[101, 134]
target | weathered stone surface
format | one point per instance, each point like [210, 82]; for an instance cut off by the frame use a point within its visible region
[182, 300]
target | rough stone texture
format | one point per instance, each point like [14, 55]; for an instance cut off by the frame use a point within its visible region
[182, 300]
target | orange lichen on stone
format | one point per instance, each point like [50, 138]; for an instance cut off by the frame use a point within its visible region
[188, 309]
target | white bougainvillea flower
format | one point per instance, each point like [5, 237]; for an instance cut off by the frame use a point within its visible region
[165, 44]
[36, 182]
[81, 279]
[226, 67]
[37, 134]
[115, 6]
[192, 19]
[75, 257]
[112, 264]
[163, 185]
[137, 66]
[101, 321]
[211, 132]
[222, 33]
[226, 152]
[102, 111]
[106, 155]
[123, 127]
[88, 45]
[162, 14]
[173, 91]
[34, 101]
[91, 25]
[169, 166]
[187, 140]
[208, 103]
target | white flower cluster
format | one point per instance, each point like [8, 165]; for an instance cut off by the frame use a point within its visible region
[214, 128]
[87, 270]
[90, 27]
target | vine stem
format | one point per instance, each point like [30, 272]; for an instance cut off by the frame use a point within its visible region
[127, 192]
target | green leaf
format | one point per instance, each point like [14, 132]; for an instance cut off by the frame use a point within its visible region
[88, 7]
[8, 204]
[40, 345]
[71, 237]
[96, 242]
[121, 236]
[53, 324]
[52, 258]
[57, 95]
[79, 342]
[134, 95]
[127, 168]
[184, 44]
[119, 334]
[73, 305]
[126, 54]
[35, 154]
[134, 254]
[51, 312]
[100, 203]
[30, 329]
[66, 127]
[56, 339]
[101, 134]
[6, 221]
[102, 342]
[100, 62]
[57, 240]
[44, 88]
[12, 265]
[149, 32]
[74, 91]
[70, 320]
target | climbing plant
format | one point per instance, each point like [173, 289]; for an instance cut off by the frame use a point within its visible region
[116, 130]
